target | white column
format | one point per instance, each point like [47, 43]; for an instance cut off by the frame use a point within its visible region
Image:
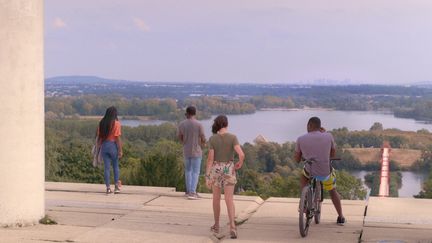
[21, 112]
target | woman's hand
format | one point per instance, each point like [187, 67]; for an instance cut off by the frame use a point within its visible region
[208, 183]
[241, 155]
[120, 154]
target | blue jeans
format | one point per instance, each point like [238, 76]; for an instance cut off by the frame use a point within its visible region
[192, 171]
[110, 154]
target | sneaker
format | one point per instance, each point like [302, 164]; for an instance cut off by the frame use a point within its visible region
[197, 195]
[186, 194]
[340, 221]
[193, 196]
[108, 191]
[116, 190]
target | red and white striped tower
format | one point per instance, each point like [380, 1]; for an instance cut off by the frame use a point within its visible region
[384, 189]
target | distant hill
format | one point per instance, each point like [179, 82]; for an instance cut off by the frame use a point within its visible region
[79, 80]
[424, 84]
[404, 101]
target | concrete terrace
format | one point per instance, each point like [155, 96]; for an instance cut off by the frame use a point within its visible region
[150, 214]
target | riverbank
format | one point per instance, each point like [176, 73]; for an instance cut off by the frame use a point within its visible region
[296, 109]
[405, 158]
[135, 118]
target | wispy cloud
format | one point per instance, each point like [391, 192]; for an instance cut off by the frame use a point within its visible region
[140, 24]
[59, 23]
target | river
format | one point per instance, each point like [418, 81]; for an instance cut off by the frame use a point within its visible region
[411, 181]
[286, 125]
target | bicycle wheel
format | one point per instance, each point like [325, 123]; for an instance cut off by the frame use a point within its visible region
[304, 211]
[318, 202]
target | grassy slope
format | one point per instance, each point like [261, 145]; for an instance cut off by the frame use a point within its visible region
[404, 157]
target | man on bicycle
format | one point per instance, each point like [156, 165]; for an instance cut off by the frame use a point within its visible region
[318, 145]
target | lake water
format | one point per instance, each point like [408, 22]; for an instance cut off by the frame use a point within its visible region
[411, 182]
[282, 126]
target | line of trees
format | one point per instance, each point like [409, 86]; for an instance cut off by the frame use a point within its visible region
[159, 108]
[153, 157]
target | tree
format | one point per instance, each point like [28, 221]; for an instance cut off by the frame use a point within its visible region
[75, 164]
[349, 187]
[267, 156]
[376, 127]
[162, 166]
[427, 189]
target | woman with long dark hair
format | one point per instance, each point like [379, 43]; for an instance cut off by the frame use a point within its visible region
[109, 132]
[221, 170]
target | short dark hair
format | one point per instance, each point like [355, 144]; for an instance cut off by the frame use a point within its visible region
[315, 122]
[190, 111]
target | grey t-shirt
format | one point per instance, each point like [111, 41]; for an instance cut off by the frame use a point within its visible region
[316, 145]
[193, 136]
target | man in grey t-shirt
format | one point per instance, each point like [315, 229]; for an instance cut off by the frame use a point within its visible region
[191, 134]
[319, 146]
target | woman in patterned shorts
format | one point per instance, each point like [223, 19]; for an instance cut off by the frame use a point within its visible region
[221, 170]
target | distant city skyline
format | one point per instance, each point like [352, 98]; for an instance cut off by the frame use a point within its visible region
[243, 41]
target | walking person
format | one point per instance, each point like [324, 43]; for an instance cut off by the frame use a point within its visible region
[221, 170]
[109, 132]
[191, 135]
[319, 146]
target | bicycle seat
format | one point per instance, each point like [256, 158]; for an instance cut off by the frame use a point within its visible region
[309, 161]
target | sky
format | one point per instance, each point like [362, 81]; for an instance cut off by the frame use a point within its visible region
[241, 41]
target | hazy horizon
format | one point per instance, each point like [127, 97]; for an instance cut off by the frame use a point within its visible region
[246, 41]
[312, 82]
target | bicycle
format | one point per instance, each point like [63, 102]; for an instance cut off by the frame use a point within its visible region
[310, 202]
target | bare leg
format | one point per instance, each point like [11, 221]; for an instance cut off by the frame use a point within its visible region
[335, 197]
[216, 205]
[229, 200]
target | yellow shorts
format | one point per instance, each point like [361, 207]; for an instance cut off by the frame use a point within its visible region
[329, 182]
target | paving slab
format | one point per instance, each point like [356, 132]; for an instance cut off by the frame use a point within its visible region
[167, 218]
[139, 236]
[203, 205]
[399, 213]
[91, 209]
[41, 233]
[96, 200]
[85, 187]
[277, 221]
[396, 235]
[398, 220]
